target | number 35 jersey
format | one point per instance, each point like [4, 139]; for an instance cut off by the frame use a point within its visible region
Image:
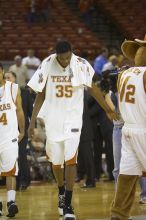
[63, 105]
[8, 118]
[132, 96]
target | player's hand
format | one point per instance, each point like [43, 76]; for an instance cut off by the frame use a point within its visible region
[20, 137]
[113, 116]
[31, 132]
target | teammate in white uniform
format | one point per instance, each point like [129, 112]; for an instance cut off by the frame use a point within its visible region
[63, 109]
[10, 112]
[132, 104]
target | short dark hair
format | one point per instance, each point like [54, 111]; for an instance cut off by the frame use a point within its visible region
[63, 47]
[1, 66]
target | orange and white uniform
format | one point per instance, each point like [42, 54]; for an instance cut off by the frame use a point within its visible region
[62, 111]
[132, 104]
[8, 129]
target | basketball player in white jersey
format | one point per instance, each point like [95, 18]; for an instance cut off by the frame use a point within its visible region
[132, 104]
[63, 106]
[11, 114]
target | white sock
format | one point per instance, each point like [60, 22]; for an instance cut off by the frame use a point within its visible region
[11, 194]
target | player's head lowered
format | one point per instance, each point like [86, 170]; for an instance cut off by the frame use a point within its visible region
[64, 52]
[10, 76]
[1, 72]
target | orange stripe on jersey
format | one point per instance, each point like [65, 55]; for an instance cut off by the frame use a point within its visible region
[9, 173]
[118, 81]
[122, 92]
[11, 93]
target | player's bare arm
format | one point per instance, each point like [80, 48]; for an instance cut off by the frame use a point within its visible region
[20, 115]
[109, 101]
[37, 106]
[99, 97]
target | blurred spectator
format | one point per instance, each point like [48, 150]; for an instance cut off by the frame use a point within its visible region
[111, 64]
[85, 165]
[100, 61]
[31, 10]
[123, 61]
[103, 129]
[40, 167]
[23, 178]
[39, 137]
[43, 9]
[31, 62]
[86, 9]
[20, 70]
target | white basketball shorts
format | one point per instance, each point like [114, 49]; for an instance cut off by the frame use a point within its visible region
[63, 151]
[133, 160]
[8, 158]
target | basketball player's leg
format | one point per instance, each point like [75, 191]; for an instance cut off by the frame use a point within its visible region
[71, 149]
[124, 197]
[9, 168]
[130, 169]
[55, 152]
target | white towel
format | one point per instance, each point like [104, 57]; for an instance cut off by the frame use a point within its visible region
[38, 80]
[80, 70]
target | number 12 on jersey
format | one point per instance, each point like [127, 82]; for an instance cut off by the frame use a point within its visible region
[127, 91]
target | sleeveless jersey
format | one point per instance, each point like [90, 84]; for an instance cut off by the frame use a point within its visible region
[132, 96]
[8, 117]
[63, 105]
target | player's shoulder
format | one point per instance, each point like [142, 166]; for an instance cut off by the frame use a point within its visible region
[48, 60]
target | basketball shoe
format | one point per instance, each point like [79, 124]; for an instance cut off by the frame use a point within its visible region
[12, 209]
[61, 204]
[68, 213]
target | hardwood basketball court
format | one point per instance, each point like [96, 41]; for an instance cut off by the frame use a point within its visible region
[39, 202]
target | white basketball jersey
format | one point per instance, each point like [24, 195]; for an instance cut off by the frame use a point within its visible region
[8, 118]
[132, 96]
[63, 104]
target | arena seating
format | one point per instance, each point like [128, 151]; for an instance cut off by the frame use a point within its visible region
[127, 15]
[17, 35]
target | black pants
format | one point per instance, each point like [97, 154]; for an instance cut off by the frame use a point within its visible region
[98, 149]
[102, 133]
[23, 177]
[107, 131]
[86, 162]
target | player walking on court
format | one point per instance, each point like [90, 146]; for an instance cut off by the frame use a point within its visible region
[132, 104]
[60, 81]
[11, 114]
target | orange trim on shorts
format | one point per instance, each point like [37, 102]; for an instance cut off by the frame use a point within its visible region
[72, 161]
[9, 173]
[56, 166]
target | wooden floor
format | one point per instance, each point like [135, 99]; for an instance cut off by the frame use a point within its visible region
[39, 202]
